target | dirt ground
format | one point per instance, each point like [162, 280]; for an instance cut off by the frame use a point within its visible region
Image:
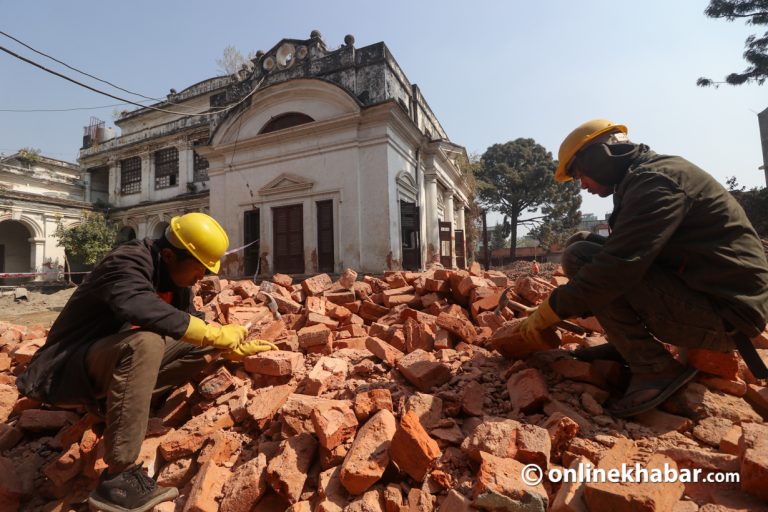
[42, 307]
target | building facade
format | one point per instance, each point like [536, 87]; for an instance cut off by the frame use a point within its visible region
[315, 160]
[36, 193]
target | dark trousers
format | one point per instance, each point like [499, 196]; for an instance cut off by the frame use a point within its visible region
[128, 369]
[660, 308]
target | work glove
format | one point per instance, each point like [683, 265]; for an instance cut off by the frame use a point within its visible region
[530, 329]
[249, 348]
[226, 337]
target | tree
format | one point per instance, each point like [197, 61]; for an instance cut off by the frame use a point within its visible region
[233, 61]
[756, 53]
[499, 236]
[89, 240]
[562, 215]
[754, 202]
[516, 178]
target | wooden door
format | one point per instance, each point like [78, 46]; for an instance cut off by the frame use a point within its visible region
[410, 235]
[251, 228]
[446, 245]
[461, 260]
[325, 259]
[288, 229]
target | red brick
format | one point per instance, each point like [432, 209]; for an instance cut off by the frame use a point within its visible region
[508, 342]
[418, 336]
[570, 495]
[24, 351]
[191, 437]
[175, 411]
[757, 396]
[754, 472]
[216, 384]
[369, 402]
[467, 284]
[412, 449]
[8, 396]
[722, 364]
[383, 350]
[37, 420]
[5, 362]
[283, 280]
[329, 373]
[287, 305]
[274, 363]
[729, 443]
[663, 422]
[315, 319]
[9, 436]
[581, 371]
[347, 278]
[287, 471]
[369, 455]
[334, 423]
[422, 370]
[527, 390]
[711, 430]
[317, 338]
[533, 445]
[562, 430]
[498, 437]
[371, 312]
[533, 289]
[473, 398]
[246, 486]
[213, 474]
[265, 403]
[733, 387]
[316, 285]
[646, 496]
[436, 286]
[66, 467]
[459, 326]
[500, 478]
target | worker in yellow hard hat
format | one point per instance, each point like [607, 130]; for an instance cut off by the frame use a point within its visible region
[129, 335]
[682, 265]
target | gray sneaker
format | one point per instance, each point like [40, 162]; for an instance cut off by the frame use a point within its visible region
[130, 491]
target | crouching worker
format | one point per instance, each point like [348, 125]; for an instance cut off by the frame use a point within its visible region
[130, 333]
[682, 265]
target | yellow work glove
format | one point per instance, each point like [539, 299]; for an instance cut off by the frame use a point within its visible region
[204, 334]
[530, 329]
[249, 348]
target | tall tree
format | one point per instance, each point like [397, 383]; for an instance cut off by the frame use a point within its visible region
[499, 236]
[561, 216]
[516, 179]
[755, 12]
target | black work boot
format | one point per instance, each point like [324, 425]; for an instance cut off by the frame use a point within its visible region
[130, 491]
[605, 351]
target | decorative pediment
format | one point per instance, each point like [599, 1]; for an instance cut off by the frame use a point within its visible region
[286, 184]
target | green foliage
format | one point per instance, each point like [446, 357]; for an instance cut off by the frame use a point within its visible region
[755, 204]
[472, 217]
[29, 155]
[517, 178]
[755, 12]
[89, 240]
[562, 216]
[500, 236]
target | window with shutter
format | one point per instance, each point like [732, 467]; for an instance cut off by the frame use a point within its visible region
[325, 259]
[288, 232]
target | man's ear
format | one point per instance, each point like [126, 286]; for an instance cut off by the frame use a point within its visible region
[168, 256]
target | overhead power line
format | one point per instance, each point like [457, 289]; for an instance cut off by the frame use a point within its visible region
[60, 109]
[75, 69]
[183, 114]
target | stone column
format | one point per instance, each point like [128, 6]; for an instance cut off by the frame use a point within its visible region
[36, 255]
[448, 206]
[147, 175]
[460, 221]
[433, 233]
[186, 161]
[114, 181]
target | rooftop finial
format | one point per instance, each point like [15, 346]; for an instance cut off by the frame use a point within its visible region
[349, 40]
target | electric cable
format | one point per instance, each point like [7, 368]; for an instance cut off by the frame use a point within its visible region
[30, 110]
[183, 114]
[75, 69]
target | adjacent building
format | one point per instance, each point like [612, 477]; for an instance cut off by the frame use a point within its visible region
[313, 159]
[36, 193]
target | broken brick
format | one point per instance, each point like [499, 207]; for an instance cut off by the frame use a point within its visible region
[274, 363]
[369, 455]
[329, 373]
[423, 371]
[369, 402]
[412, 449]
[527, 390]
[287, 471]
[334, 423]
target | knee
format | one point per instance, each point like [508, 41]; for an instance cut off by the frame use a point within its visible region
[575, 255]
[579, 236]
[147, 345]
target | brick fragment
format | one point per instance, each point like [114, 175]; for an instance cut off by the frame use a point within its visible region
[581, 371]
[711, 430]
[383, 350]
[469, 283]
[422, 370]
[533, 289]
[347, 278]
[663, 422]
[216, 384]
[527, 390]
[37, 420]
[369, 455]
[25, 350]
[328, 374]
[562, 430]
[418, 336]
[428, 408]
[371, 312]
[274, 363]
[500, 486]
[461, 327]
[455, 502]
[191, 437]
[283, 280]
[733, 387]
[533, 445]
[175, 411]
[369, 402]
[8, 396]
[333, 496]
[722, 364]
[757, 397]
[65, 467]
[212, 474]
[265, 403]
[570, 495]
[287, 471]
[316, 338]
[412, 449]
[729, 443]
[316, 285]
[473, 398]
[498, 437]
[10, 436]
[334, 423]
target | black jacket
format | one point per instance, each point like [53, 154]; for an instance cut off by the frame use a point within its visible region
[670, 213]
[120, 293]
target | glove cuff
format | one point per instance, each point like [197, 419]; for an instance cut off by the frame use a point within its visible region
[196, 331]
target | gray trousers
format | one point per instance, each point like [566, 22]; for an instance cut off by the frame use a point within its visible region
[128, 370]
[660, 308]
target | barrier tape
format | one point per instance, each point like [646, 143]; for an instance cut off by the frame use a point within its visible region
[237, 249]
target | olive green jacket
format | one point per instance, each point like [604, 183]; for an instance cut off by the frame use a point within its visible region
[670, 213]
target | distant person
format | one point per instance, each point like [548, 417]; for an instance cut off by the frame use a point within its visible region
[129, 334]
[682, 265]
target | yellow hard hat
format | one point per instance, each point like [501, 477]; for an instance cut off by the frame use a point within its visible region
[202, 236]
[579, 138]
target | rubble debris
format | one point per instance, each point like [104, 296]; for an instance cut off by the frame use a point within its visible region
[396, 392]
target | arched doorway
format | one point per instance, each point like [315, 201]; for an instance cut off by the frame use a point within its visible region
[125, 234]
[159, 230]
[15, 251]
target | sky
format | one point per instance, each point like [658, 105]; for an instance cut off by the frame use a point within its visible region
[492, 71]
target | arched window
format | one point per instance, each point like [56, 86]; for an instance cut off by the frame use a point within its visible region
[287, 120]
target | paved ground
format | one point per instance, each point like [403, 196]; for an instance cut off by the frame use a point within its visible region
[42, 307]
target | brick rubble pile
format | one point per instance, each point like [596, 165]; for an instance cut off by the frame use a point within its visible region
[386, 395]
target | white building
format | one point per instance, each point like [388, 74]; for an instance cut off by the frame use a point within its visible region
[36, 193]
[320, 159]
